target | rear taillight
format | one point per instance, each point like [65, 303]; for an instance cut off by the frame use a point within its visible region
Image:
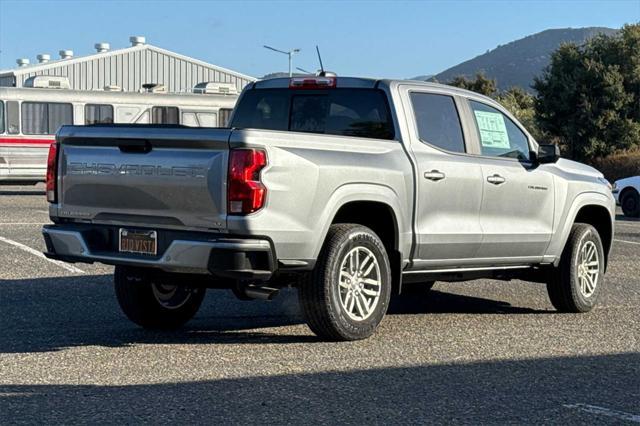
[246, 194]
[52, 173]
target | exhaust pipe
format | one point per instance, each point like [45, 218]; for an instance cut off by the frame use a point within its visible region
[262, 293]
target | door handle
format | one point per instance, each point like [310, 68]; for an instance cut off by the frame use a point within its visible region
[496, 179]
[434, 175]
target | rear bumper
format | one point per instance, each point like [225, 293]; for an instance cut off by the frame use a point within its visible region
[196, 253]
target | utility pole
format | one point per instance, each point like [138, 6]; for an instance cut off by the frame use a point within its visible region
[290, 54]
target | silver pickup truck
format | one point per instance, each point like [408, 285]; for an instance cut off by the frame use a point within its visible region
[348, 189]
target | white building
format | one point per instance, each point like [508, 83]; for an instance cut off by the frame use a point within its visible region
[125, 69]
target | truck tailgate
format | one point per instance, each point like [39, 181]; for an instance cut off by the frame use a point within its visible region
[143, 175]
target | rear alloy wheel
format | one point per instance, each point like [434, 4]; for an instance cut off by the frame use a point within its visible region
[575, 284]
[630, 203]
[347, 295]
[152, 303]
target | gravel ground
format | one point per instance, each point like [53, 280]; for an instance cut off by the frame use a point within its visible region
[478, 352]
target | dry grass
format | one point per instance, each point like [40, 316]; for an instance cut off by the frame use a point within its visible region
[619, 165]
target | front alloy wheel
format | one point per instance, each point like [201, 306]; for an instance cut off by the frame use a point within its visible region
[574, 286]
[588, 268]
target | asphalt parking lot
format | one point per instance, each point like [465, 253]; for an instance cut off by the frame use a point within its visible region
[479, 352]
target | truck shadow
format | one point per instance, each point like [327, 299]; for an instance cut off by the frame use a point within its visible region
[531, 391]
[48, 314]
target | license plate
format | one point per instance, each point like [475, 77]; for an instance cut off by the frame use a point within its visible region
[141, 242]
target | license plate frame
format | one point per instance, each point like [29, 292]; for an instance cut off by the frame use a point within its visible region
[137, 241]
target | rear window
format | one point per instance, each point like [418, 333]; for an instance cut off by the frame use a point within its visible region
[345, 112]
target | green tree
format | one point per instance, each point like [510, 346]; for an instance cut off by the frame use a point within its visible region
[521, 105]
[516, 100]
[479, 84]
[589, 96]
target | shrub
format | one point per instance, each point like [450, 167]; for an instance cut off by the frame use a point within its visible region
[619, 165]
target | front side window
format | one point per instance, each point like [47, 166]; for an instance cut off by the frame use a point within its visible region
[41, 118]
[438, 121]
[165, 115]
[344, 112]
[499, 136]
[98, 114]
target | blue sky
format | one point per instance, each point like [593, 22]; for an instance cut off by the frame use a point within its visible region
[370, 38]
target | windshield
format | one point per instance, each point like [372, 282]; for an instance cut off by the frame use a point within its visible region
[344, 112]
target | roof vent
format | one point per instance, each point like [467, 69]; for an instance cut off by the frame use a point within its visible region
[154, 88]
[102, 47]
[47, 82]
[66, 54]
[209, 87]
[137, 40]
[22, 62]
[43, 58]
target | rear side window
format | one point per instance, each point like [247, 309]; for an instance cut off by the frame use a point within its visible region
[499, 136]
[344, 112]
[1, 117]
[98, 114]
[13, 118]
[224, 115]
[438, 121]
[165, 115]
[40, 118]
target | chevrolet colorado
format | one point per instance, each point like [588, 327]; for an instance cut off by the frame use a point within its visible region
[349, 189]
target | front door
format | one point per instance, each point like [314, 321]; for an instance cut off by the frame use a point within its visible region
[517, 208]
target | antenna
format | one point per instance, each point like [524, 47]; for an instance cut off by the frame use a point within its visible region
[320, 60]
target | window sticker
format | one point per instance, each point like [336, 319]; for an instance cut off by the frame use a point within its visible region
[493, 132]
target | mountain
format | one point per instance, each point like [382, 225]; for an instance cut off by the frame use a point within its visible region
[423, 77]
[280, 75]
[518, 62]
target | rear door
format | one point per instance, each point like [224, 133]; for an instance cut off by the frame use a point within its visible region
[518, 198]
[449, 182]
[150, 176]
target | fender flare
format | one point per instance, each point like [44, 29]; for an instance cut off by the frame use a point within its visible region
[371, 192]
[583, 199]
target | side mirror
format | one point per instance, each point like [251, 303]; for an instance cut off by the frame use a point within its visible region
[548, 153]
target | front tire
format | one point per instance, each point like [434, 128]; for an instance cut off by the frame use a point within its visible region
[347, 295]
[154, 304]
[630, 203]
[574, 286]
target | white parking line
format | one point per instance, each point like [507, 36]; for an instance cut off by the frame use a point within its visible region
[631, 224]
[28, 249]
[628, 242]
[24, 223]
[594, 409]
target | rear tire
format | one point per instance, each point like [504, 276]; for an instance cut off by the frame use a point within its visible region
[574, 286]
[630, 203]
[347, 295]
[152, 304]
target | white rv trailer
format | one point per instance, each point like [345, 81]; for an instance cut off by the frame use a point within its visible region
[30, 117]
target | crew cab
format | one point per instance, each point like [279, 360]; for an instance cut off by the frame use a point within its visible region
[348, 189]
